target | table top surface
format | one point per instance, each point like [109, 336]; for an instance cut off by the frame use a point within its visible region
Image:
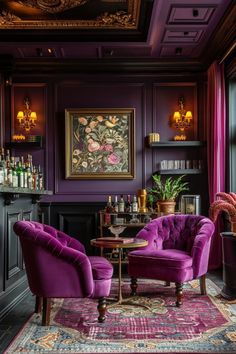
[137, 242]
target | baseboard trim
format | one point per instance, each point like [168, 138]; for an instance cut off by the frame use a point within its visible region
[5, 310]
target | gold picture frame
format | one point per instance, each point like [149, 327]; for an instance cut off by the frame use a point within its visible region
[99, 143]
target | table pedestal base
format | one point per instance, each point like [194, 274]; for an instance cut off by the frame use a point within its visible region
[126, 301]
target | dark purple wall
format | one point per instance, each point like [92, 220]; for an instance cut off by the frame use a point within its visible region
[154, 101]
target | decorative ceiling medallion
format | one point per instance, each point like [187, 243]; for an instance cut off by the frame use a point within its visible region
[120, 18]
[69, 14]
[6, 18]
[52, 6]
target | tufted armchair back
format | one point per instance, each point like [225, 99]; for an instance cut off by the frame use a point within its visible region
[177, 251]
[57, 265]
[174, 231]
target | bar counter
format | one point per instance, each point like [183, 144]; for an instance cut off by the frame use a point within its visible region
[15, 204]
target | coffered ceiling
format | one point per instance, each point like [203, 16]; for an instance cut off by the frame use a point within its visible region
[115, 29]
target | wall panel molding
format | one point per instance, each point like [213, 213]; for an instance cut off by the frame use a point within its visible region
[79, 220]
[105, 95]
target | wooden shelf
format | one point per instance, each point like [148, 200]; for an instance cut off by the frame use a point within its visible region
[20, 190]
[176, 143]
[24, 144]
[191, 171]
[10, 194]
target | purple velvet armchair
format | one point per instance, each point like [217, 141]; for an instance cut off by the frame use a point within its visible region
[177, 251]
[57, 267]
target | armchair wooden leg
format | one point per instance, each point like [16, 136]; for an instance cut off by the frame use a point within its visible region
[46, 311]
[203, 284]
[133, 286]
[179, 293]
[102, 306]
[38, 304]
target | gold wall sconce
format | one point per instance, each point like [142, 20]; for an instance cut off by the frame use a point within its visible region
[27, 118]
[182, 120]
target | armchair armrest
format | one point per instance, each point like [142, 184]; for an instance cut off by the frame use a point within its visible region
[201, 249]
[151, 234]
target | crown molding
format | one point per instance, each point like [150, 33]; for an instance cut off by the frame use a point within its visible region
[222, 39]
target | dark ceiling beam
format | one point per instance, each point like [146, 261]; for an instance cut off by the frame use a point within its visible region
[222, 38]
[140, 66]
[68, 36]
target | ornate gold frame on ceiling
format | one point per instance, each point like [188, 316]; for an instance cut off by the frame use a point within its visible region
[12, 17]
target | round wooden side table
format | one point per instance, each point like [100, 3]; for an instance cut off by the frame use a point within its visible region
[119, 245]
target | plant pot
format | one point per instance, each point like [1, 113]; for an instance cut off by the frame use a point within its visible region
[166, 206]
[233, 226]
[229, 265]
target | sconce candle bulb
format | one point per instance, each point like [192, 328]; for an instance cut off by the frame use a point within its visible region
[27, 118]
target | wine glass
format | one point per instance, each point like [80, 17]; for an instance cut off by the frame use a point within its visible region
[117, 230]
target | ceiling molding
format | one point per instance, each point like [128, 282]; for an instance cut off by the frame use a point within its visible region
[168, 32]
[222, 38]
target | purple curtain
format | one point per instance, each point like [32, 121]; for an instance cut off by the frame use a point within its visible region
[216, 150]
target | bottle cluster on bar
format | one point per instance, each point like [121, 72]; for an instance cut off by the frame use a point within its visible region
[19, 172]
[122, 206]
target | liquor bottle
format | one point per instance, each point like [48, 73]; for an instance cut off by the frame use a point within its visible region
[135, 204]
[14, 176]
[121, 205]
[108, 211]
[29, 178]
[4, 166]
[25, 175]
[9, 175]
[40, 178]
[8, 156]
[35, 178]
[30, 162]
[115, 204]
[128, 207]
[20, 175]
[1, 171]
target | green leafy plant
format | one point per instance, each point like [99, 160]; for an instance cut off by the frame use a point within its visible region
[168, 189]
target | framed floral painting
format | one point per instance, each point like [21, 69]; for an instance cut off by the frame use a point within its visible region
[99, 143]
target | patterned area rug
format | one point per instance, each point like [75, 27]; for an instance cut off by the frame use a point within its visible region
[204, 324]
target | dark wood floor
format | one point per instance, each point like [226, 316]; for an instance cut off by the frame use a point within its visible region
[15, 319]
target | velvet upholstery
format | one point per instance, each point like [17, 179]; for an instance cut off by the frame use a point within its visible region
[177, 251]
[57, 265]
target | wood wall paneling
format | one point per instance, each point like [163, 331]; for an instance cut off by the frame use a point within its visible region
[79, 220]
[13, 281]
[154, 98]
[36, 92]
[165, 103]
[14, 259]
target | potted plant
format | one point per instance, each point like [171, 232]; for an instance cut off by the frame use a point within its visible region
[165, 192]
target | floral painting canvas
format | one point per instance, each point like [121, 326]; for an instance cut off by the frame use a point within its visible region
[99, 143]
